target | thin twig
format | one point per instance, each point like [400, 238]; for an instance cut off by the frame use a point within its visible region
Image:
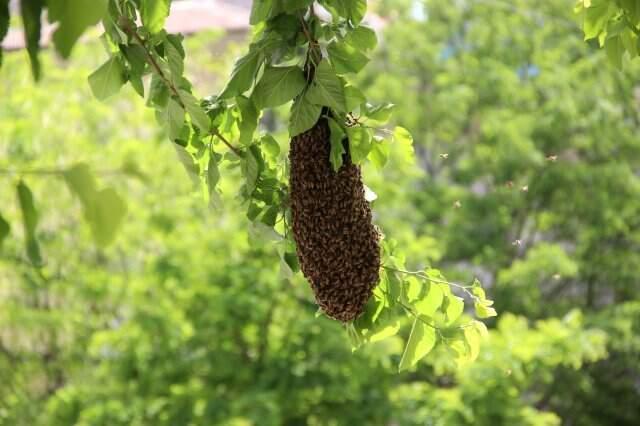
[54, 172]
[131, 31]
[422, 275]
[224, 140]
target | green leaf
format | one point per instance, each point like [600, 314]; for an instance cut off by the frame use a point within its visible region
[253, 211]
[270, 216]
[359, 143]
[615, 50]
[213, 173]
[260, 11]
[30, 222]
[353, 10]
[379, 153]
[337, 149]
[595, 19]
[158, 92]
[243, 74]
[404, 141]
[104, 209]
[353, 97]
[472, 337]
[356, 9]
[73, 17]
[81, 182]
[250, 170]
[137, 84]
[153, 14]
[291, 258]
[453, 308]
[394, 285]
[197, 114]
[136, 56]
[270, 146]
[421, 340]
[107, 80]
[483, 310]
[362, 38]
[346, 58]
[4, 22]
[386, 325]
[4, 229]
[175, 115]
[31, 11]
[304, 115]
[379, 113]
[248, 119]
[431, 301]
[175, 60]
[106, 215]
[481, 328]
[327, 88]
[278, 85]
[192, 169]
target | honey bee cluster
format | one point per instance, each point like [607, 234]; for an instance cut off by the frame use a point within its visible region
[337, 243]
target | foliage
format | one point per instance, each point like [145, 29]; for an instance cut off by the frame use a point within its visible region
[184, 319]
[614, 23]
[524, 174]
[294, 55]
[528, 140]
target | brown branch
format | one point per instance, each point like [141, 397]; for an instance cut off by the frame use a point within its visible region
[126, 26]
[224, 140]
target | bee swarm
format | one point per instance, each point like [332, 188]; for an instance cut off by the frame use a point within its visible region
[336, 241]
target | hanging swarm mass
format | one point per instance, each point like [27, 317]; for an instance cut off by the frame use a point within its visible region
[336, 241]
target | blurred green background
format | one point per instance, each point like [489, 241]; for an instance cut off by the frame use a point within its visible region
[527, 176]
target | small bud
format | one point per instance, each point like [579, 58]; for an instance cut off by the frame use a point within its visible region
[444, 156]
[457, 204]
[525, 188]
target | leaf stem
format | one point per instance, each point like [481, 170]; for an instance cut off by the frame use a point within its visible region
[215, 132]
[126, 26]
[424, 276]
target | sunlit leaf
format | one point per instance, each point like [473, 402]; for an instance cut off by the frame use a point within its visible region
[472, 337]
[154, 13]
[429, 303]
[421, 340]
[359, 143]
[484, 311]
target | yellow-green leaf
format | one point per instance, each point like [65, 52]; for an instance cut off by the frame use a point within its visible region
[421, 340]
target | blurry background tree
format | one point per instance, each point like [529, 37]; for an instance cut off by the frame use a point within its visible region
[527, 176]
